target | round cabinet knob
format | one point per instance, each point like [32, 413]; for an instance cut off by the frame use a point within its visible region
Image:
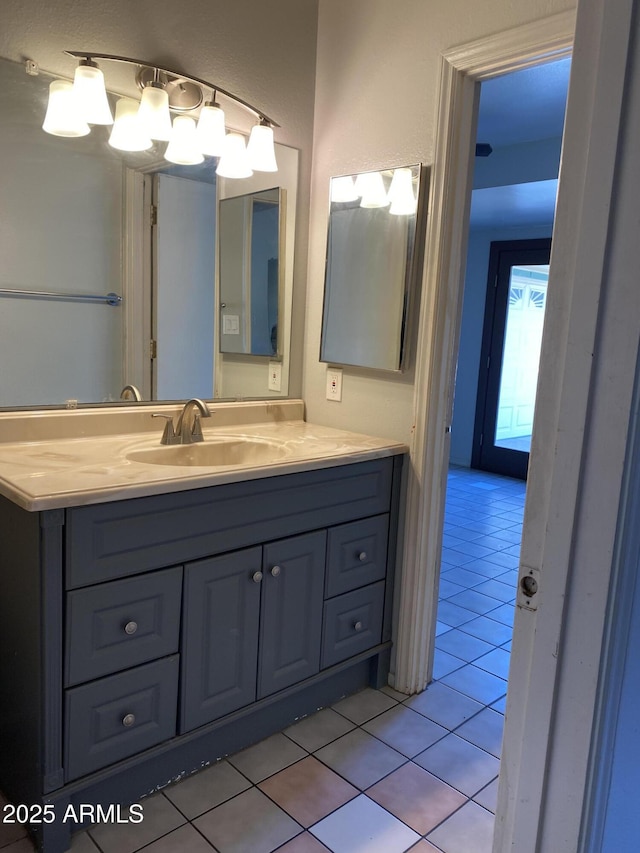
[362, 556]
[257, 577]
[131, 628]
[357, 626]
[275, 571]
[128, 720]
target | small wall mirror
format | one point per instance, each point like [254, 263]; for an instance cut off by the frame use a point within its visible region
[370, 265]
[250, 234]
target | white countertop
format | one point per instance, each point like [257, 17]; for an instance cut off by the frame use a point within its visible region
[62, 472]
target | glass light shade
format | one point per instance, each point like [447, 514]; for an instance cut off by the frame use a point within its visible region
[91, 95]
[183, 147]
[373, 191]
[154, 114]
[211, 130]
[234, 162]
[126, 133]
[62, 117]
[343, 189]
[403, 201]
[260, 150]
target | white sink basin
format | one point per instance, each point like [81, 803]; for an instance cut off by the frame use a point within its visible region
[213, 453]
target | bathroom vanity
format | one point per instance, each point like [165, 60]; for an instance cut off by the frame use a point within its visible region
[159, 621]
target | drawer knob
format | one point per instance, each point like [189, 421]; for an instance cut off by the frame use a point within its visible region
[362, 556]
[128, 720]
[257, 577]
[130, 628]
[357, 626]
[275, 571]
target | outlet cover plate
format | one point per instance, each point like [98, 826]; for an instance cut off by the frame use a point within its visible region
[334, 384]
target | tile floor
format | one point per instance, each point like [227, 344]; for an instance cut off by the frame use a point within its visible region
[378, 772]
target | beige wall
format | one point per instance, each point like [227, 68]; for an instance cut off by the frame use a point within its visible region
[376, 89]
[263, 52]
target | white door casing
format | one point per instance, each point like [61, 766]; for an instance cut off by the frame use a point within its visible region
[542, 690]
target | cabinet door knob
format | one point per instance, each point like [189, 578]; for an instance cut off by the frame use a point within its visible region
[130, 628]
[275, 571]
[357, 626]
[128, 720]
[362, 556]
[257, 577]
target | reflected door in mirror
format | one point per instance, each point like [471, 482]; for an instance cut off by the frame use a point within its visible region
[250, 236]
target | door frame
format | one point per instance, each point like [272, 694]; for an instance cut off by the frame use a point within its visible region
[525, 814]
[487, 357]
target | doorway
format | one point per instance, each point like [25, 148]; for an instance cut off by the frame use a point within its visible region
[510, 356]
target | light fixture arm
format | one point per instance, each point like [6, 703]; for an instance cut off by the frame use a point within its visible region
[178, 75]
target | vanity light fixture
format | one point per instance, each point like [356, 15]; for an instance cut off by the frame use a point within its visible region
[343, 189]
[370, 186]
[153, 113]
[234, 160]
[90, 93]
[260, 149]
[211, 130]
[63, 117]
[74, 108]
[183, 146]
[401, 196]
[126, 133]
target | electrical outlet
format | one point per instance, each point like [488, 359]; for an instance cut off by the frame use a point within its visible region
[275, 376]
[334, 384]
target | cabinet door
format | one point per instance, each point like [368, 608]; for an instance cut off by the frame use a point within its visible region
[220, 636]
[291, 616]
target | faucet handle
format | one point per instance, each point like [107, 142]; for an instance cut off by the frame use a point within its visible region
[169, 435]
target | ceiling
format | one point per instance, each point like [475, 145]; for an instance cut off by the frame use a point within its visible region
[525, 106]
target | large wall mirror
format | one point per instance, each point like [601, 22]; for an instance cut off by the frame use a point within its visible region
[370, 266]
[80, 220]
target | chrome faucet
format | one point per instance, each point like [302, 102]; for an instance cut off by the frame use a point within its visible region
[188, 429]
[130, 392]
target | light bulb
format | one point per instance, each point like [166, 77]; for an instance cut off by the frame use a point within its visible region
[403, 201]
[211, 130]
[372, 190]
[343, 189]
[62, 117]
[183, 147]
[127, 134]
[260, 150]
[91, 95]
[154, 112]
[234, 162]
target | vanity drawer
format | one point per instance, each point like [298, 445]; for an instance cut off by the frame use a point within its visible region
[117, 625]
[106, 541]
[352, 623]
[356, 554]
[112, 718]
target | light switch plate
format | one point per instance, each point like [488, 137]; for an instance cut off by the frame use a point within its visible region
[334, 384]
[275, 376]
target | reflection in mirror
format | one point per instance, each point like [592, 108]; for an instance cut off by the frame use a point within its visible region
[74, 221]
[370, 263]
[249, 269]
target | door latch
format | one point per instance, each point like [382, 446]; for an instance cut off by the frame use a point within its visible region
[528, 586]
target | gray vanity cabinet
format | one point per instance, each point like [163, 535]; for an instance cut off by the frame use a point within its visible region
[252, 622]
[291, 619]
[145, 638]
[221, 613]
